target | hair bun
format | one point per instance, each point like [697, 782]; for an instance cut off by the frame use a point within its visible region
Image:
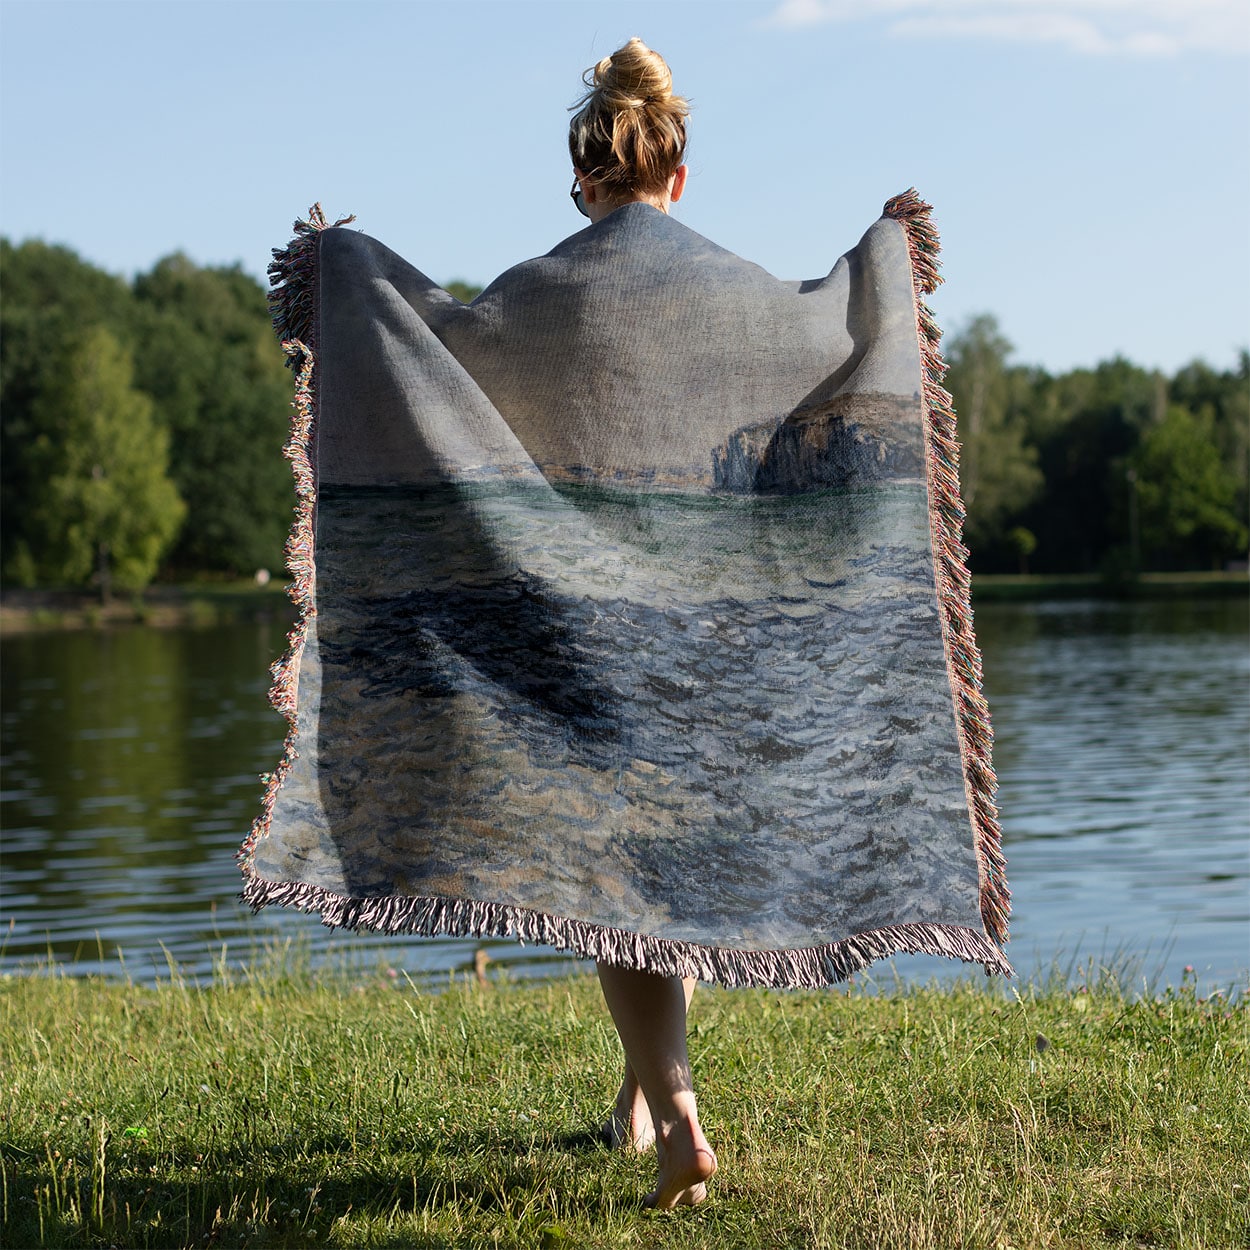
[630, 129]
[634, 76]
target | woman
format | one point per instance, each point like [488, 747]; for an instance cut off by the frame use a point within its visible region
[638, 626]
[628, 140]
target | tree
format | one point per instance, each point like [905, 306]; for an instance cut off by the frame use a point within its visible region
[1024, 543]
[208, 358]
[1223, 398]
[51, 298]
[997, 467]
[1187, 493]
[1086, 424]
[465, 292]
[106, 508]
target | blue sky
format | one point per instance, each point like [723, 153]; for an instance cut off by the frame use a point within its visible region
[1089, 160]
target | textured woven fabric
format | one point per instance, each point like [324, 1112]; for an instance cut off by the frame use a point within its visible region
[626, 626]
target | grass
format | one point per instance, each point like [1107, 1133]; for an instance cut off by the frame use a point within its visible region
[279, 1107]
[1030, 587]
[196, 604]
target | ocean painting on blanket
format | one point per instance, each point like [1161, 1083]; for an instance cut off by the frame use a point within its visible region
[585, 672]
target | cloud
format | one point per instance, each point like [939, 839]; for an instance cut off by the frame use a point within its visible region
[1135, 28]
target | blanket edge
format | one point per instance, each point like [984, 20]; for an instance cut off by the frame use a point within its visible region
[950, 557]
[293, 305]
[812, 967]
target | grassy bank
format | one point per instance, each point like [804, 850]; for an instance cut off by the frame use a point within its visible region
[214, 603]
[279, 1109]
[1010, 587]
[194, 604]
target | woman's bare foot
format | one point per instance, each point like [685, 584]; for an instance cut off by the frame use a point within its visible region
[649, 1011]
[629, 1126]
[686, 1165]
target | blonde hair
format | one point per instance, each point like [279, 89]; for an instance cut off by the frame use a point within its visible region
[629, 131]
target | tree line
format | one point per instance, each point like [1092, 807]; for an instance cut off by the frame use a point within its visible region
[1113, 470]
[140, 424]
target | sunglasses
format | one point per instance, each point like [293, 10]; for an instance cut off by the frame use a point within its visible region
[576, 196]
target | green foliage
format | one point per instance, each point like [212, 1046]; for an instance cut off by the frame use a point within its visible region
[465, 292]
[1024, 543]
[275, 1108]
[51, 298]
[998, 468]
[50, 279]
[106, 508]
[1096, 418]
[205, 358]
[208, 357]
[1223, 399]
[1187, 492]
[1081, 462]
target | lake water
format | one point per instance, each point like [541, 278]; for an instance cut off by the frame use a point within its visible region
[131, 758]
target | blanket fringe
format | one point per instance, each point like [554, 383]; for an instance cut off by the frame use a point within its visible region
[954, 583]
[293, 277]
[810, 968]
[293, 305]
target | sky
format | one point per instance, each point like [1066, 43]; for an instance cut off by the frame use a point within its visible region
[1088, 160]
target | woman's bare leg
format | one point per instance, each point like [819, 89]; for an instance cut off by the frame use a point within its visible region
[649, 1012]
[629, 1126]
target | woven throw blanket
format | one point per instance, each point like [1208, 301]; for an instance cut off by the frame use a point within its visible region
[634, 616]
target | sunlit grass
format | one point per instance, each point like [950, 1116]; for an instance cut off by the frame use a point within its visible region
[279, 1107]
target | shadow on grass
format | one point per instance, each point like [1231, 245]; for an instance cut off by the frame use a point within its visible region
[290, 1195]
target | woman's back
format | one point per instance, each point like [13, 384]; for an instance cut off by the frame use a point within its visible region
[639, 346]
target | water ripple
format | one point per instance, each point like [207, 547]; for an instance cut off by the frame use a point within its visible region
[1121, 731]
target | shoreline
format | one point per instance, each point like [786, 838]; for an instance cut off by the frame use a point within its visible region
[1035, 587]
[173, 606]
[202, 605]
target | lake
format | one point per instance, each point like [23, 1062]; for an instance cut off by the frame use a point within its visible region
[131, 761]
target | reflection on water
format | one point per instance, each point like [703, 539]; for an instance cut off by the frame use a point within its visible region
[1122, 747]
[131, 758]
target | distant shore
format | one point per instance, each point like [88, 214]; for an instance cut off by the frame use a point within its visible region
[163, 606]
[215, 603]
[1009, 587]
